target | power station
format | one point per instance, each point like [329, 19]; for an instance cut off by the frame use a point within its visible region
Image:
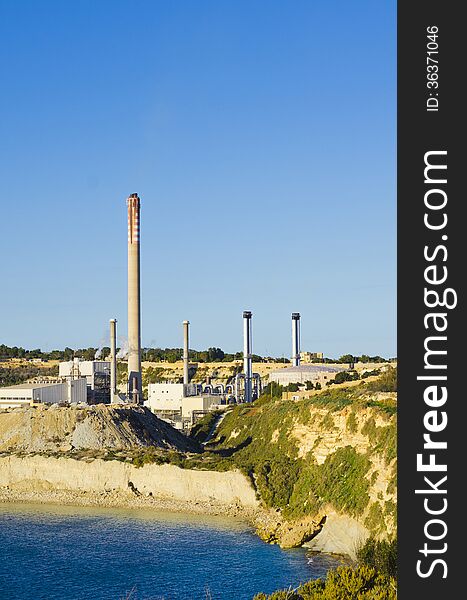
[179, 400]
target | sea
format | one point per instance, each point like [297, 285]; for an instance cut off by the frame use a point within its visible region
[77, 553]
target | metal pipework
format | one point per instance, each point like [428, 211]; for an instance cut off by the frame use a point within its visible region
[186, 375]
[296, 339]
[135, 392]
[113, 359]
[247, 355]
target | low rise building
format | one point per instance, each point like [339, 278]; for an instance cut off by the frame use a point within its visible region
[195, 406]
[27, 394]
[309, 357]
[96, 373]
[315, 373]
[180, 404]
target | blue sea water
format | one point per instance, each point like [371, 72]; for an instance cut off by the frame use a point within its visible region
[69, 553]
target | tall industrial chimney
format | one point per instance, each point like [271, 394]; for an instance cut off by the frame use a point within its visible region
[247, 354]
[135, 392]
[113, 359]
[186, 378]
[296, 339]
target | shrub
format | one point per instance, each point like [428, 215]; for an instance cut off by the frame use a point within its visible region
[344, 583]
[327, 422]
[375, 518]
[202, 428]
[352, 424]
[345, 376]
[382, 555]
[387, 382]
[340, 480]
[276, 479]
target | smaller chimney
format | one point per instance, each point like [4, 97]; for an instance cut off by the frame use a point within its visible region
[113, 359]
[296, 339]
[247, 367]
[186, 346]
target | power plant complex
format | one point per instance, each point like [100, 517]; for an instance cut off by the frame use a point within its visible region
[178, 402]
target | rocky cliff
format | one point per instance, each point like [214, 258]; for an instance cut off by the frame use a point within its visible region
[96, 476]
[325, 466]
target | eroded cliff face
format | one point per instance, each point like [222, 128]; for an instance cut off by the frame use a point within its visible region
[372, 434]
[327, 464]
[42, 473]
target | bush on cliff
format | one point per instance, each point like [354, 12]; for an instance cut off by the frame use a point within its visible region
[340, 480]
[387, 382]
[382, 555]
[343, 583]
[202, 428]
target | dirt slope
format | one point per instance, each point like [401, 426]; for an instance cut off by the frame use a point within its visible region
[93, 427]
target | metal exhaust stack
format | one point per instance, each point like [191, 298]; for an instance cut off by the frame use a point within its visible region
[296, 339]
[186, 377]
[113, 359]
[135, 392]
[247, 354]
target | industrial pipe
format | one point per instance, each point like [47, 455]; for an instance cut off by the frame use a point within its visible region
[247, 355]
[113, 359]
[296, 339]
[186, 375]
[135, 392]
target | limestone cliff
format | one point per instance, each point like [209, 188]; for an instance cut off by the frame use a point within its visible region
[325, 465]
[96, 476]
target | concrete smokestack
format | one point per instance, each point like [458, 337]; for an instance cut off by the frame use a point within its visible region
[113, 359]
[186, 377]
[247, 354]
[296, 339]
[135, 392]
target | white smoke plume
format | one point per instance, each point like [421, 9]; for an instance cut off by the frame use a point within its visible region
[103, 342]
[124, 348]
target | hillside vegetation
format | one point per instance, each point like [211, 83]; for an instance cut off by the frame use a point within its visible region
[337, 448]
[343, 583]
[334, 451]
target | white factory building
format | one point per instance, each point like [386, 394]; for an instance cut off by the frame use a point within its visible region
[96, 373]
[27, 394]
[180, 403]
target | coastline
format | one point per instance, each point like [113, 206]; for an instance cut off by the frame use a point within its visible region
[168, 488]
[118, 499]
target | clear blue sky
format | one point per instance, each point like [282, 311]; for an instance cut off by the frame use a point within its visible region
[260, 136]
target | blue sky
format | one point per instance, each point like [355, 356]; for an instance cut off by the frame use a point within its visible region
[260, 136]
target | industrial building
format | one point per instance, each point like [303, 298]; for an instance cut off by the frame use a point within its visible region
[303, 373]
[181, 404]
[167, 397]
[96, 373]
[27, 394]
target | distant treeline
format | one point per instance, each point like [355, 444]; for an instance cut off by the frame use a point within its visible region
[170, 355]
[23, 373]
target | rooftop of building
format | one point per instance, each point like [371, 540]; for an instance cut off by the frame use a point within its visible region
[313, 369]
[29, 386]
